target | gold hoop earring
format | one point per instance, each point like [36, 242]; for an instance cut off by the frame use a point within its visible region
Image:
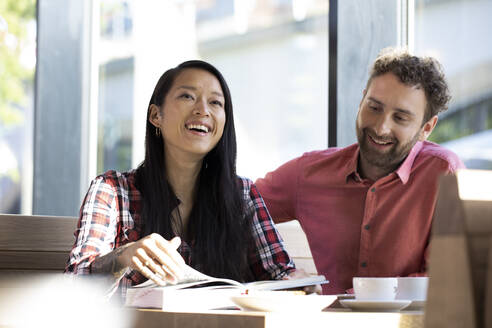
[157, 131]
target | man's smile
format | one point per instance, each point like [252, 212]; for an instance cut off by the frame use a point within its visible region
[380, 143]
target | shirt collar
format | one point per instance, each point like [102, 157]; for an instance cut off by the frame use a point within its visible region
[406, 167]
[351, 167]
[403, 172]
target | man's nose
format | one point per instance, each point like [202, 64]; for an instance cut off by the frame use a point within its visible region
[383, 125]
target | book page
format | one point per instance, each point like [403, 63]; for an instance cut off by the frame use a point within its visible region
[191, 278]
[194, 278]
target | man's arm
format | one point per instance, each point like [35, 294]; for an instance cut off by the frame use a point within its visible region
[279, 191]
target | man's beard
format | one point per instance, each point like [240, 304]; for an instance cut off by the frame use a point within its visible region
[389, 159]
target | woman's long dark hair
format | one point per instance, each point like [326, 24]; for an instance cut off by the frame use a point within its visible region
[219, 228]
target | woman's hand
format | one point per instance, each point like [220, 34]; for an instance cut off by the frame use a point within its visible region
[300, 273]
[154, 257]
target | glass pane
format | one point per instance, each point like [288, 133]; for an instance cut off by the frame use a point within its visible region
[364, 28]
[17, 65]
[274, 55]
[115, 101]
[457, 33]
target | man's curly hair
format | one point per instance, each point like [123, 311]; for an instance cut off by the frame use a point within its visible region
[422, 72]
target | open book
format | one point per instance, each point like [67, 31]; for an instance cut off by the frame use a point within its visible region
[197, 291]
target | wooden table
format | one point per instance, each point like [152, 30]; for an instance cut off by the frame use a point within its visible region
[332, 318]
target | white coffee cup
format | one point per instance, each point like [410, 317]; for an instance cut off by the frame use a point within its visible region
[380, 289]
[412, 288]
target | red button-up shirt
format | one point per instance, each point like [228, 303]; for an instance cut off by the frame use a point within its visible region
[356, 227]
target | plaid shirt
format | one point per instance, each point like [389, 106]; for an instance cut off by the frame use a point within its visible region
[110, 217]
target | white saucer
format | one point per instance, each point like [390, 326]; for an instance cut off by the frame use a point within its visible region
[375, 305]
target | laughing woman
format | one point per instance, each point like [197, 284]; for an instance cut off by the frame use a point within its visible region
[184, 203]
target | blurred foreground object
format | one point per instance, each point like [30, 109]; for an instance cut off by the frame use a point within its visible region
[460, 286]
[58, 301]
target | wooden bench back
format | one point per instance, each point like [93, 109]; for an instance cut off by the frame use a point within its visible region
[41, 244]
[34, 244]
[297, 246]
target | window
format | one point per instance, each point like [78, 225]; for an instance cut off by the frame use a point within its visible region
[274, 56]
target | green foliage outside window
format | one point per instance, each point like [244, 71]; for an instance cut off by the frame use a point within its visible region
[15, 79]
[13, 75]
[471, 119]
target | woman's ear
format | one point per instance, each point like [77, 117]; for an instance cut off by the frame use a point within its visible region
[155, 116]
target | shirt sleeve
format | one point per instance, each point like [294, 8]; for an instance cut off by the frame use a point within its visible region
[453, 163]
[97, 227]
[270, 259]
[279, 190]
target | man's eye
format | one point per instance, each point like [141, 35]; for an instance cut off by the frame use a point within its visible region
[374, 108]
[186, 96]
[399, 118]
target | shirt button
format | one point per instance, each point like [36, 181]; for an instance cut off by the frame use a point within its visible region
[363, 264]
[373, 189]
[367, 227]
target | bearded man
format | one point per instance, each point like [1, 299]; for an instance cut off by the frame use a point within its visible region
[367, 208]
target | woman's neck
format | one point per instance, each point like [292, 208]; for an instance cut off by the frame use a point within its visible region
[182, 174]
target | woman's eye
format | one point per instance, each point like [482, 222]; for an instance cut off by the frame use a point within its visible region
[216, 103]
